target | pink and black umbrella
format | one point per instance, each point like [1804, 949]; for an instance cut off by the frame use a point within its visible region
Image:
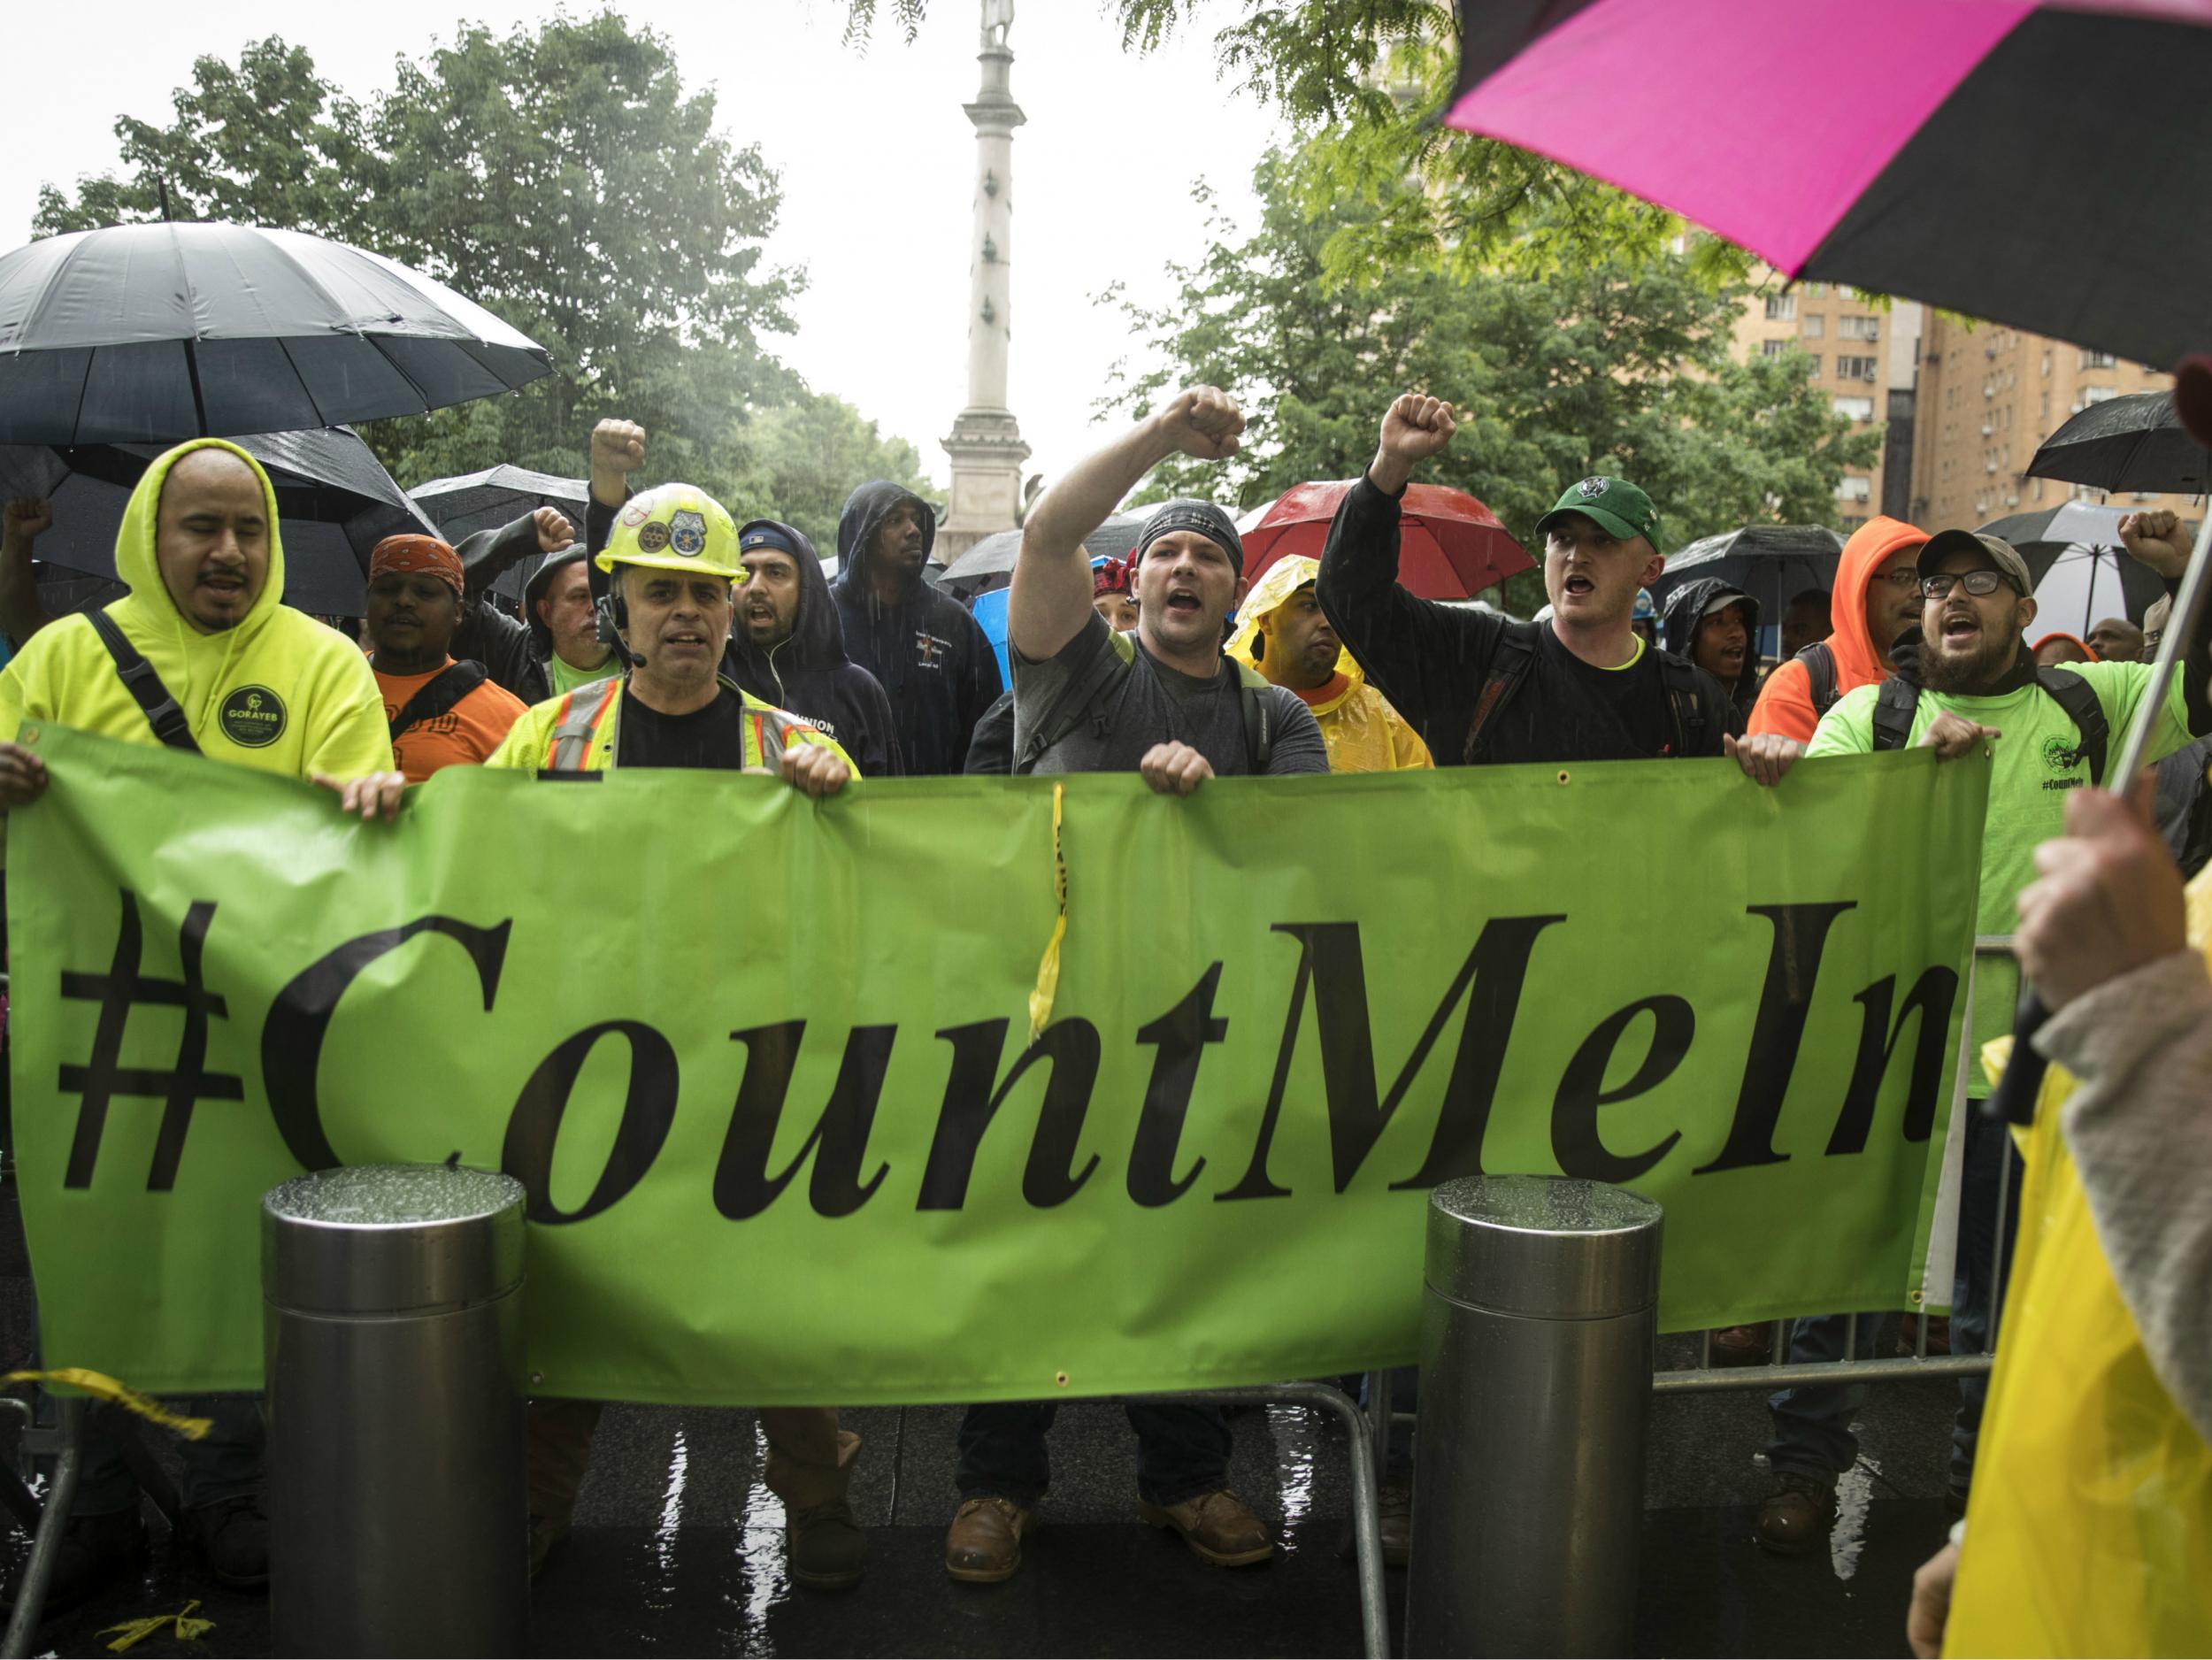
[2042, 163]
[1450, 546]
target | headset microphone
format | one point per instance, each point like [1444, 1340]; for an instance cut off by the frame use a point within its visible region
[613, 616]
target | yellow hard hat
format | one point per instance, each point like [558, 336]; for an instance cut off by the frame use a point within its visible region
[674, 527]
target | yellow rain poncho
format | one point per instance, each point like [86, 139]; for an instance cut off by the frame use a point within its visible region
[2090, 1531]
[279, 691]
[1363, 733]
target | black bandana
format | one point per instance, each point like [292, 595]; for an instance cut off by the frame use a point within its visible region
[1203, 516]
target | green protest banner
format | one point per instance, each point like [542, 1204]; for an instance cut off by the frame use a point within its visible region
[766, 1065]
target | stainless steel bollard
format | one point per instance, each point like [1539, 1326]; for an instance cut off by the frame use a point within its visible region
[1537, 1336]
[398, 1511]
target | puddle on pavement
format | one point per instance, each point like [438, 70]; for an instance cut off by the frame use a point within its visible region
[1847, 1540]
[1294, 1431]
[760, 1552]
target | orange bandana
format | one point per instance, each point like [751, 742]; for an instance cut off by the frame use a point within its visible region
[413, 553]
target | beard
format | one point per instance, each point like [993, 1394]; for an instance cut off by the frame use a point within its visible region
[1969, 676]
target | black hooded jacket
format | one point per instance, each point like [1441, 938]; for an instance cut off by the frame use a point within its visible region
[1678, 629]
[930, 656]
[809, 675]
[513, 654]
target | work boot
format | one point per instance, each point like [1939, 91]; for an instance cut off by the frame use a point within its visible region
[984, 1544]
[1796, 1515]
[95, 1551]
[1393, 1514]
[1939, 1334]
[1742, 1346]
[1218, 1526]
[233, 1536]
[823, 1547]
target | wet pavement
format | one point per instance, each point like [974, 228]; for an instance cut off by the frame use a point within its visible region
[678, 1547]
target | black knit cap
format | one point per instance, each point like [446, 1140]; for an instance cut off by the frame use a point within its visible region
[1203, 516]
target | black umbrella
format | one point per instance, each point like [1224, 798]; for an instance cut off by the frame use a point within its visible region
[990, 563]
[2134, 443]
[471, 502]
[149, 334]
[335, 503]
[1771, 562]
[2083, 533]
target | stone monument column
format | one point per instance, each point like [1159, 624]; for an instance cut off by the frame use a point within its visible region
[985, 444]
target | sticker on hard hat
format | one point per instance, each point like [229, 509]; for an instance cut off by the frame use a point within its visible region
[687, 532]
[653, 538]
[634, 515]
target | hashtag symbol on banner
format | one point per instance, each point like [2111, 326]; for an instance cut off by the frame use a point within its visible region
[118, 991]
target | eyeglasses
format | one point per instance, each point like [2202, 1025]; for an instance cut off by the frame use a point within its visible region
[1903, 577]
[1980, 584]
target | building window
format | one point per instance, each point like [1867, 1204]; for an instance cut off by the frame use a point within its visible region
[1859, 327]
[1858, 409]
[1813, 357]
[1773, 348]
[2098, 394]
[1813, 327]
[2047, 363]
[1856, 487]
[1780, 306]
[2097, 360]
[1856, 368]
[1814, 290]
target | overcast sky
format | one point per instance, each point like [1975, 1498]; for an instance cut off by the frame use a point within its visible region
[875, 154]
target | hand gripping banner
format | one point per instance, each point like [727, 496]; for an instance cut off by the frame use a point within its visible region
[766, 1065]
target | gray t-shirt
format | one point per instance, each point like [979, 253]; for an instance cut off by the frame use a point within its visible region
[1154, 704]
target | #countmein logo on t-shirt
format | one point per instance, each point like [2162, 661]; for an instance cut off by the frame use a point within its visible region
[252, 716]
[2060, 757]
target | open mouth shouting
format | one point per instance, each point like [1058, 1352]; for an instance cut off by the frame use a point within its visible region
[1184, 599]
[1960, 628]
[685, 640]
[1577, 586]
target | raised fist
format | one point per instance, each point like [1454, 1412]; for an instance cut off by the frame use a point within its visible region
[555, 533]
[1416, 428]
[1204, 422]
[2158, 539]
[25, 518]
[617, 450]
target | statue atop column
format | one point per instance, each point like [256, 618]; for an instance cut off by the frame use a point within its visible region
[998, 18]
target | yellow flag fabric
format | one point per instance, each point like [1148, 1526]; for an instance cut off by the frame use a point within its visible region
[2090, 1530]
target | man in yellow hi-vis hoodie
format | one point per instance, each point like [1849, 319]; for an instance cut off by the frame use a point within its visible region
[254, 684]
[244, 680]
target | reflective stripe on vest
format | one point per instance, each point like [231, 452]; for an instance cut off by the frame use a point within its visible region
[579, 721]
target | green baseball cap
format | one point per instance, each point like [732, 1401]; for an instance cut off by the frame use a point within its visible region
[1619, 506]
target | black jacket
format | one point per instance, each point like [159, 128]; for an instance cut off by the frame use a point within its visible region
[508, 650]
[809, 675]
[1678, 631]
[1433, 661]
[929, 655]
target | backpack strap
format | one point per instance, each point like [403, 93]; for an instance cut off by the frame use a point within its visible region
[1893, 708]
[161, 710]
[2078, 699]
[1084, 700]
[1508, 666]
[579, 721]
[1820, 674]
[438, 695]
[1259, 717]
[1686, 701]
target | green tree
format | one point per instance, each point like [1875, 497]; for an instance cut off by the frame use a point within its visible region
[1366, 83]
[804, 458]
[1622, 365]
[560, 175]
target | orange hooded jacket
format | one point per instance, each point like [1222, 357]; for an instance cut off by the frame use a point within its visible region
[1785, 702]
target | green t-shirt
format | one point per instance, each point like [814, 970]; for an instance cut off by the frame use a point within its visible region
[2032, 771]
[566, 680]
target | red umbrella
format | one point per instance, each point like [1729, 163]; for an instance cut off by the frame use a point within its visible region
[1450, 546]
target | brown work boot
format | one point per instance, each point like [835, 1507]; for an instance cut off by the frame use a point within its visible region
[1939, 1334]
[1219, 1526]
[1742, 1346]
[1796, 1516]
[1393, 1514]
[825, 1547]
[984, 1543]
